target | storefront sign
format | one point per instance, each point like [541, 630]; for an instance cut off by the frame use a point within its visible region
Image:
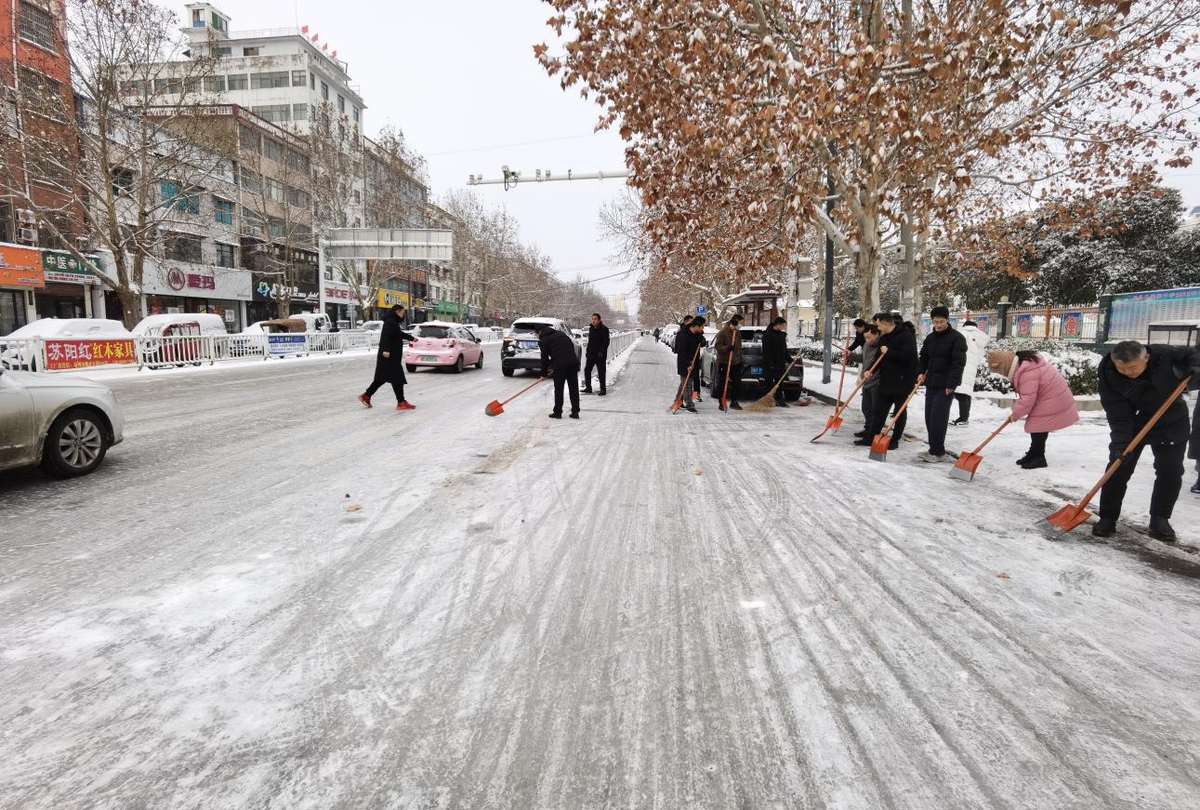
[1072, 326]
[65, 354]
[21, 267]
[278, 292]
[186, 281]
[63, 268]
[337, 292]
[281, 345]
[389, 298]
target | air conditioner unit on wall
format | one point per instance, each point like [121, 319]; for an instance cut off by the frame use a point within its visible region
[27, 235]
[26, 217]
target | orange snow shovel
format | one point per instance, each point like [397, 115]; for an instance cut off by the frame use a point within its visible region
[678, 403]
[835, 421]
[879, 444]
[495, 408]
[968, 463]
[1072, 514]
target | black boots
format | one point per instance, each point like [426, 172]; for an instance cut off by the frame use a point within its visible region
[1031, 462]
[1196, 486]
[1104, 527]
[1021, 461]
[1160, 528]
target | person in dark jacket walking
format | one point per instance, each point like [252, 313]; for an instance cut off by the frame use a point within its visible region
[897, 375]
[1135, 380]
[683, 327]
[940, 365]
[559, 359]
[728, 346]
[776, 357]
[597, 354]
[687, 345]
[389, 360]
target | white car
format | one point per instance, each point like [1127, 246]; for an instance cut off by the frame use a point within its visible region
[521, 349]
[17, 354]
[373, 330]
[64, 424]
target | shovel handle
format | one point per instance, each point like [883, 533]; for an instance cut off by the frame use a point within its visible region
[1146, 428]
[523, 390]
[994, 434]
[892, 423]
[861, 382]
[845, 360]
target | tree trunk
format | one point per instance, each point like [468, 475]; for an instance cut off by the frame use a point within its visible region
[868, 262]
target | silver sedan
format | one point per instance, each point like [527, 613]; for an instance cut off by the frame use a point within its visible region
[65, 424]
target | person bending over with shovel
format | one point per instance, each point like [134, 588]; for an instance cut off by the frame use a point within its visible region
[389, 361]
[1135, 381]
[897, 374]
[1044, 400]
[558, 355]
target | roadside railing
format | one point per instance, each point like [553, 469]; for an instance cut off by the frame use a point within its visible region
[621, 341]
[175, 351]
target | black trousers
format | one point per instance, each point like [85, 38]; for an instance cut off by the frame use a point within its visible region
[964, 406]
[1168, 479]
[570, 379]
[398, 388]
[735, 382]
[869, 396]
[937, 418]
[1037, 444]
[696, 386]
[597, 363]
[885, 403]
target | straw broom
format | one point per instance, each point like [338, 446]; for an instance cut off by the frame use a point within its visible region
[767, 402]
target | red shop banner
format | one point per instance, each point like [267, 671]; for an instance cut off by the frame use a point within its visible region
[67, 354]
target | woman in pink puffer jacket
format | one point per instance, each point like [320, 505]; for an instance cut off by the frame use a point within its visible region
[1044, 399]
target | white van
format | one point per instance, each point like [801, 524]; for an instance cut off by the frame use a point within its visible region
[16, 353]
[153, 325]
[315, 321]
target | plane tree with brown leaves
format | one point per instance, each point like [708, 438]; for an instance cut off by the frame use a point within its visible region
[740, 115]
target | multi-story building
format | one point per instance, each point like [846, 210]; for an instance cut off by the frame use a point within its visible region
[37, 101]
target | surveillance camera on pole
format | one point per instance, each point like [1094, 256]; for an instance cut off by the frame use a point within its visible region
[510, 177]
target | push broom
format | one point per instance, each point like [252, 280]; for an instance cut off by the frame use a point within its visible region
[879, 444]
[1072, 514]
[766, 402]
[495, 408]
[835, 421]
[968, 463]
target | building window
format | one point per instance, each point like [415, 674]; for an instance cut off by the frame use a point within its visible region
[223, 211]
[312, 81]
[273, 149]
[169, 86]
[296, 197]
[197, 18]
[277, 228]
[214, 84]
[356, 115]
[324, 91]
[174, 197]
[341, 105]
[218, 22]
[237, 81]
[122, 182]
[298, 161]
[274, 112]
[251, 181]
[249, 51]
[275, 190]
[226, 255]
[225, 51]
[134, 87]
[182, 247]
[298, 78]
[299, 112]
[248, 138]
[357, 196]
[266, 81]
[41, 94]
[37, 25]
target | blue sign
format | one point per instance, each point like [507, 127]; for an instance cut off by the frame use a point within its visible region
[701, 309]
[283, 345]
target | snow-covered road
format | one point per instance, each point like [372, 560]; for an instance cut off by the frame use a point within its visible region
[633, 610]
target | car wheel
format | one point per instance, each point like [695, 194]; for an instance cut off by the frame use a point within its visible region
[792, 394]
[479, 362]
[410, 368]
[507, 372]
[75, 444]
[458, 364]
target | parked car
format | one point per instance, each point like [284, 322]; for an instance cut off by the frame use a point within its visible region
[521, 349]
[442, 345]
[373, 330]
[316, 321]
[16, 354]
[65, 424]
[753, 376]
[206, 322]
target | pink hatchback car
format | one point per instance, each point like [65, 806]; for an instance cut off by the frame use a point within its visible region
[445, 345]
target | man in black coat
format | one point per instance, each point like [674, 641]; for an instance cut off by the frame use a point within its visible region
[897, 373]
[776, 357]
[860, 338]
[683, 327]
[558, 356]
[597, 354]
[687, 350]
[941, 364]
[1135, 380]
[389, 360]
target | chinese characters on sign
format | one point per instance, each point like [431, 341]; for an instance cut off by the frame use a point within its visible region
[1023, 325]
[21, 267]
[283, 345]
[1072, 326]
[63, 268]
[1132, 313]
[66, 354]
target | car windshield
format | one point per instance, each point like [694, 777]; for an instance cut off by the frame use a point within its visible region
[526, 328]
[440, 332]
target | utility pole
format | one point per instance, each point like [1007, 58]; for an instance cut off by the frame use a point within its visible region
[827, 368]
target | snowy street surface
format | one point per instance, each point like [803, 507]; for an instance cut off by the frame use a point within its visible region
[635, 610]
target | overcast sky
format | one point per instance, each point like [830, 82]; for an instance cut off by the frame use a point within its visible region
[459, 77]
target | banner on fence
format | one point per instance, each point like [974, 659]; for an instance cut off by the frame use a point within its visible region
[1072, 326]
[281, 345]
[982, 323]
[67, 354]
[1132, 313]
[1023, 325]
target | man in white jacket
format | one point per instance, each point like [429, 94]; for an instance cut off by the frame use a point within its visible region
[976, 348]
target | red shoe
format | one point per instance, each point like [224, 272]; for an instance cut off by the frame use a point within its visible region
[365, 400]
[404, 406]
[695, 396]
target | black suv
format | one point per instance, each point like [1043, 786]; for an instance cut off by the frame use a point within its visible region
[753, 373]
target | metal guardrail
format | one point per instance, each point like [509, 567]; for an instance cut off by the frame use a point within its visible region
[619, 342]
[74, 354]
